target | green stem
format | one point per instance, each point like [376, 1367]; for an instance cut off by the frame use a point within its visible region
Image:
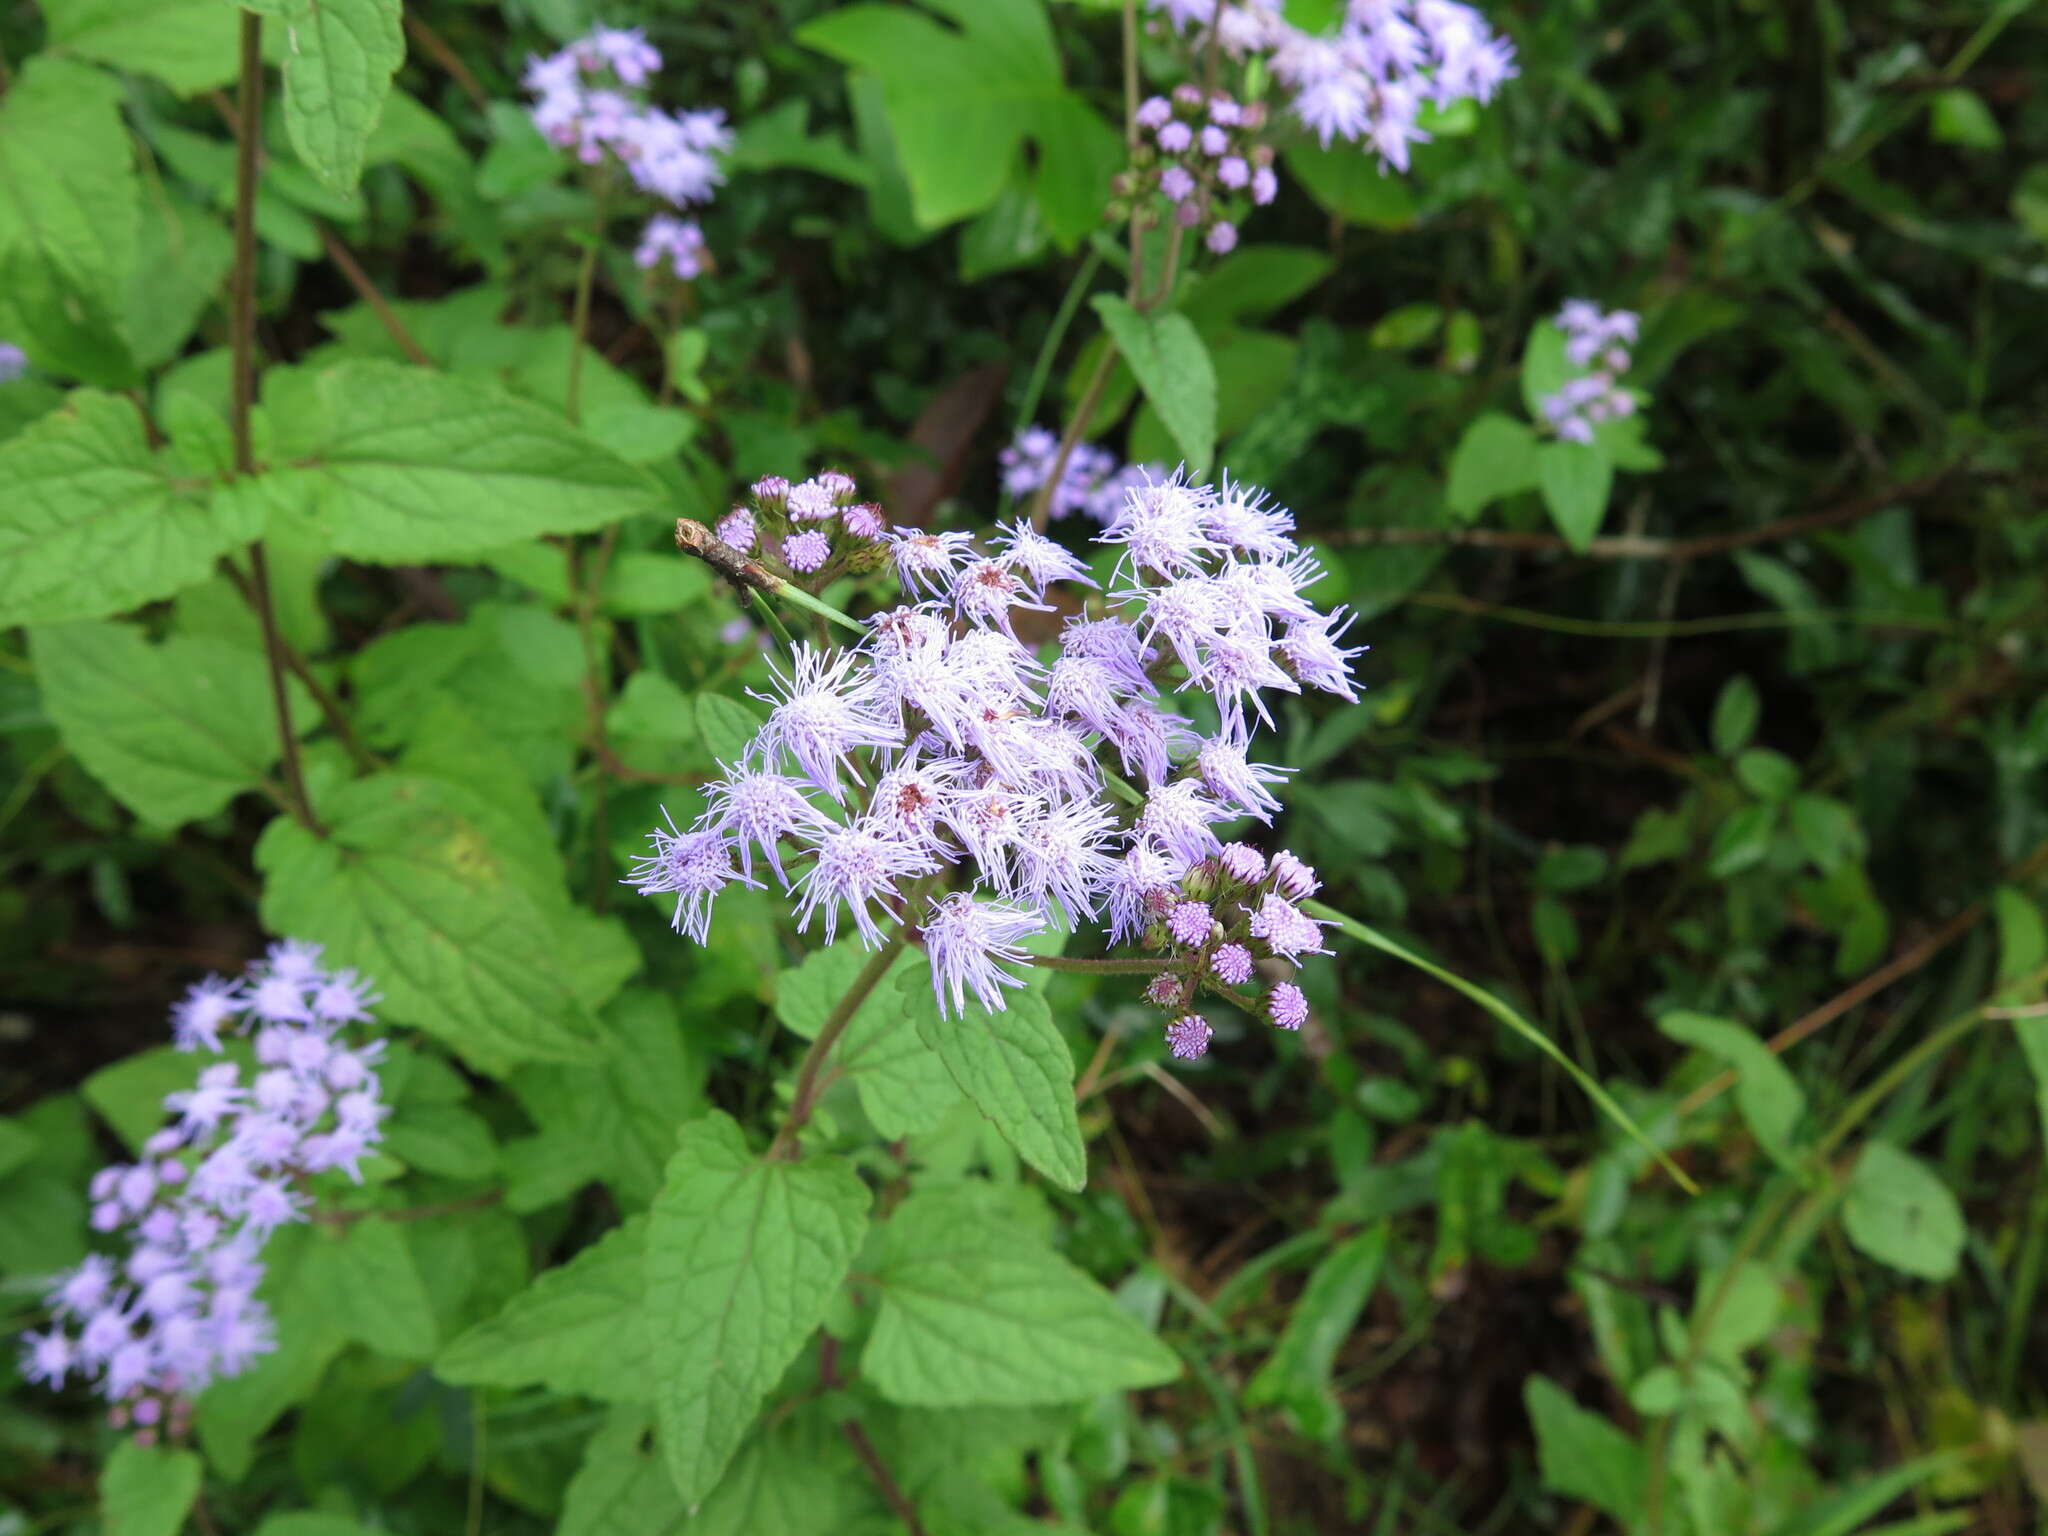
[791, 593]
[1514, 1021]
[1130, 967]
[579, 319]
[805, 1098]
[771, 618]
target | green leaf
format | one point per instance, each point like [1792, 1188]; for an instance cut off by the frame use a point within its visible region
[1545, 367]
[308, 1523]
[444, 1139]
[187, 44]
[1298, 1370]
[1495, 457]
[622, 1486]
[1736, 712]
[175, 730]
[1016, 1068]
[365, 1280]
[1766, 774]
[962, 101]
[1582, 1455]
[458, 911]
[743, 1256]
[402, 465]
[1252, 282]
[90, 522]
[339, 58]
[975, 1310]
[1900, 1213]
[1352, 185]
[580, 1328]
[17, 1145]
[147, 1490]
[1742, 840]
[1959, 116]
[904, 1087]
[1769, 1097]
[1172, 366]
[727, 725]
[1575, 481]
[1827, 830]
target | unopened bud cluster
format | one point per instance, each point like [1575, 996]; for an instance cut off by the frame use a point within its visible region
[1196, 151]
[1597, 342]
[811, 532]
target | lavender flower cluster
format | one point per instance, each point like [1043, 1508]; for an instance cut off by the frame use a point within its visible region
[181, 1309]
[1093, 482]
[802, 529]
[590, 97]
[1598, 342]
[1371, 77]
[1202, 146]
[943, 751]
[13, 362]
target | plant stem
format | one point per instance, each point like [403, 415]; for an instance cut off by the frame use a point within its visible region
[579, 318]
[1514, 1021]
[1041, 506]
[323, 696]
[242, 325]
[807, 1087]
[1070, 304]
[1130, 967]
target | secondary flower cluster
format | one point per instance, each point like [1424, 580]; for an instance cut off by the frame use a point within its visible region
[1093, 481]
[13, 362]
[590, 97]
[1370, 78]
[1599, 343]
[801, 529]
[943, 751]
[1201, 148]
[180, 1310]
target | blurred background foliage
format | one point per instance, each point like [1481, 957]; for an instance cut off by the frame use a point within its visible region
[1763, 761]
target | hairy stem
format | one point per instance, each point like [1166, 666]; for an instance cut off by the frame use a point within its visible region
[807, 1083]
[242, 325]
[1130, 967]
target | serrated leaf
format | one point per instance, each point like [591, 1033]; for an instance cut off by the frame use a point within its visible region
[1899, 1212]
[1495, 457]
[580, 1328]
[1769, 1097]
[68, 192]
[1016, 1068]
[904, 1087]
[175, 731]
[977, 1311]
[449, 904]
[1575, 481]
[339, 58]
[401, 465]
[147, 1490]
[1171, 364]
[743, 1255]
[92, 524]
[187, 44]
[366, 1281]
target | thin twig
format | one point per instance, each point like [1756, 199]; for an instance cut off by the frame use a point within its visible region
[435, 47]
[323, 696]
[1133, 966]
[885, 1481]
[808, 1088]
[368, 292]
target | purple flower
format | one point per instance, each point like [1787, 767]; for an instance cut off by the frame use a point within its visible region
[1189, 923]
[812, 501]
[771, 492]
[1265, 185]
[756, 808]
[1155, 112]
[737, 529]
[691, 866]
[825, 711]
[1177, 183]
[197, 1018]
[806, 551]
[1175, 136]
[1233, 172]
[1292, 878]
[863, 520]
[857, 866]
[678, 241]
[1287, 1005]
[13, 362]
[1187, 1037]
[1287, 930]
[969, 942]
[927, 562]
[1180, 819]
[1232, 964]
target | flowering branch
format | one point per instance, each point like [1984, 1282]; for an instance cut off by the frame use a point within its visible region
[750, 575]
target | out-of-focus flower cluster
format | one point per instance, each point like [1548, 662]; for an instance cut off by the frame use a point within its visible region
[814, 530]
[13, 362]
[1369, 79]
[1598, 343]
[1093, 482]
[944, 773]
[1199, 149]
[591, 98]
[180, 1310]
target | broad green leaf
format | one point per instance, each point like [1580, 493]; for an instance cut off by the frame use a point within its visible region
[622, 1486]
[401, 465]
[1016, 1068]
[1354, 186]
[1769, 1097]
[1747, 1312]
[442, 1139]
[68, 193]
[183, 254]
[175, 730]
[92, 523]
[450, 904]
[187, 44]
[1299, 1368]
[580, 1328]
[17, 1145]
[1575, 481]
[1496, 457]
[1766, 774]
[1582, 1455]
[1828, 831]
[904, 1087]
[309, 1523]
[1959, 116]
[743, 1256]
[1742, 840]
[1900, 1213]
[1736, 712]
[727, 725]
[961, 101]
[978, 1311]
[339, 58]
[1172, 366]
[365, 1279]
[147, 1490]
[233, 1413]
